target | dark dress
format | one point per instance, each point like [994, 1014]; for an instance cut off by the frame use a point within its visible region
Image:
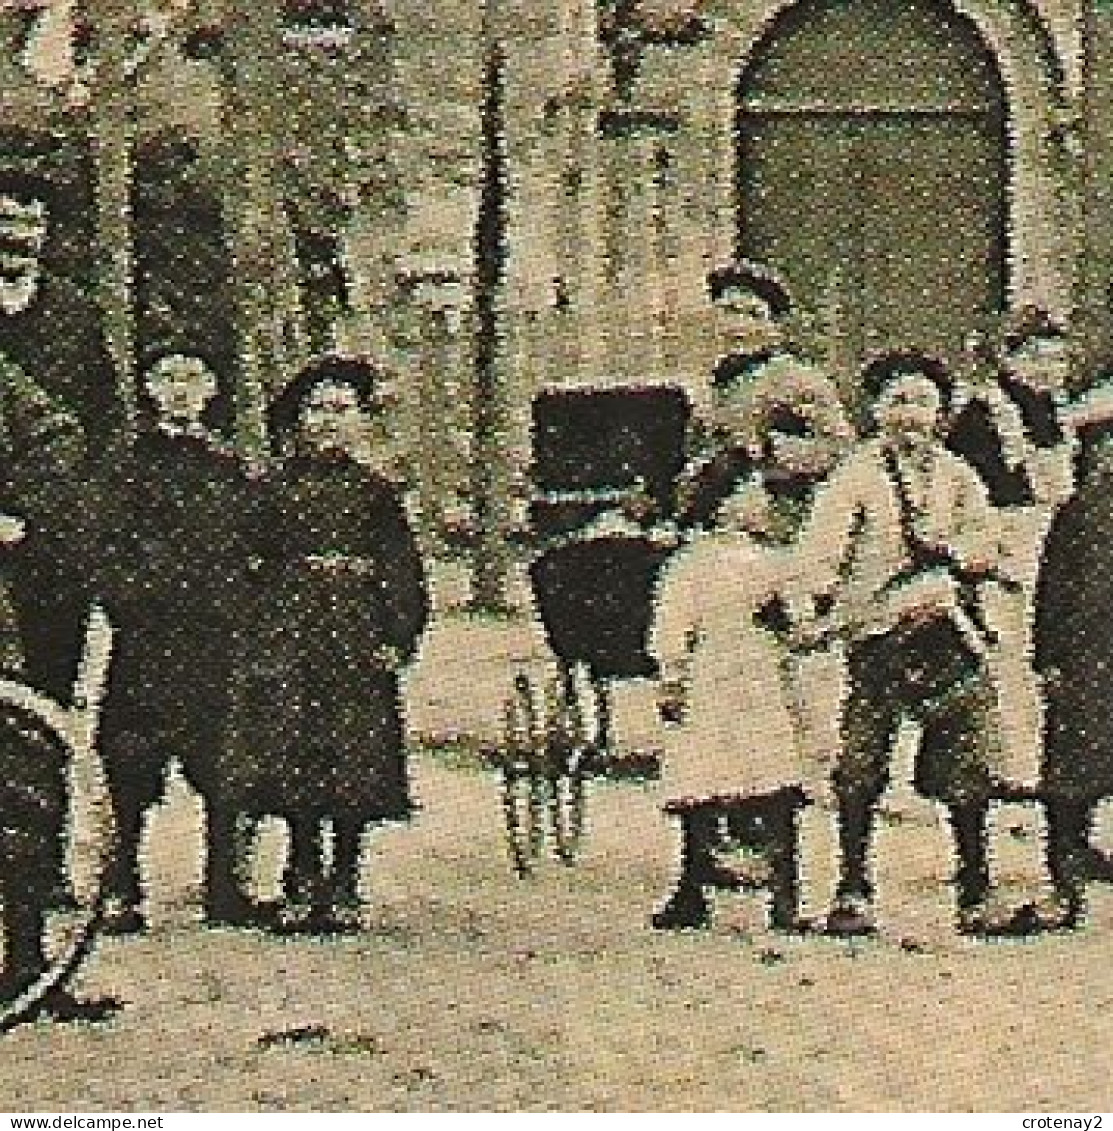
[341, 605]
[1074, 644]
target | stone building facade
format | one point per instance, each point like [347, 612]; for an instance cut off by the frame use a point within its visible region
[913, 169]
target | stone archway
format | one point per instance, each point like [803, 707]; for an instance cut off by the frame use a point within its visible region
[699, 88]
[872, 170]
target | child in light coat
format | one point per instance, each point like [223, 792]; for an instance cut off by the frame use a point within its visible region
[734, 752]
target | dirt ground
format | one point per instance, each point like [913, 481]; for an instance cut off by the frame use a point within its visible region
[471, 989]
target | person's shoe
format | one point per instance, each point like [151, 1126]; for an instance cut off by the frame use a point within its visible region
[305, 908]
[294, 917]
[242, 912]
[995, 921]
[686, 910]
[801, 925]
[851, 917]
[265, 914]
[1061, 912]
[230, 909]
[346, 916]
[62, 1006]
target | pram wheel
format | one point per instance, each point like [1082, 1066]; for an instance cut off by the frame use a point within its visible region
[568, 755]
[543, 769]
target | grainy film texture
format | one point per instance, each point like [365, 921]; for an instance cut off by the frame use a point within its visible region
[555, 554]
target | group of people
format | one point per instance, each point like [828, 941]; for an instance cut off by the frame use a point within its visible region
[915, 537]
[261, 615]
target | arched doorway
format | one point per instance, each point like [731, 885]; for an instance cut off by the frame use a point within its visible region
[872, 170]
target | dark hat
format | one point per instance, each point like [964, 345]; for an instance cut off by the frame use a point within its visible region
[1030, 323]
[889, 367]
[737, 368]
[356, 372]
[745, 275]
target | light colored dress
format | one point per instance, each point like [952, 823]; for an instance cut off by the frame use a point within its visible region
[738, 736]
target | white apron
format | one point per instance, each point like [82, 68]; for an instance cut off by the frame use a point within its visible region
[738, 736]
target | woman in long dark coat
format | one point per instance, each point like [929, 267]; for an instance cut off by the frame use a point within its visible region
[346, 601]
[1074, 655]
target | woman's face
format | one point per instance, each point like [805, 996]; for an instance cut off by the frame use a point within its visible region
[746, 322]
[332, 419]
[909, 408]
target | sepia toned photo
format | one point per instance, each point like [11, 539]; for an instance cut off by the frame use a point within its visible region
[553, 556]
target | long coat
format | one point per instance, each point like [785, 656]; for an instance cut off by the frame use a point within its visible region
[738, 735]
[42, 449]
[341, 605]
[1074, 645]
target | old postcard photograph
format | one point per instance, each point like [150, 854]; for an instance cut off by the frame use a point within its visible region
[556, 556]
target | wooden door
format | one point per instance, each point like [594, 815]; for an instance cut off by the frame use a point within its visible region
[872, 171]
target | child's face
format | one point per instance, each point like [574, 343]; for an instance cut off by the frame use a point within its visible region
[746, 322]
[747, 509]
[909, 409]
[332, 419]
[181, 388]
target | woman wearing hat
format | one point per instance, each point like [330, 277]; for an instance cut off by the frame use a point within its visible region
[346, 604]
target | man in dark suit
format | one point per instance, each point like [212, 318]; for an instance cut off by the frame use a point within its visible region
[41, 456]
[50, 333]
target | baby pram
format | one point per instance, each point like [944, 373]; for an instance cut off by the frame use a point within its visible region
[604, 468]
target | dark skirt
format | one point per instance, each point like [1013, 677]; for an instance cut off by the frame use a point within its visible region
[318, 717]
[1074, 645]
